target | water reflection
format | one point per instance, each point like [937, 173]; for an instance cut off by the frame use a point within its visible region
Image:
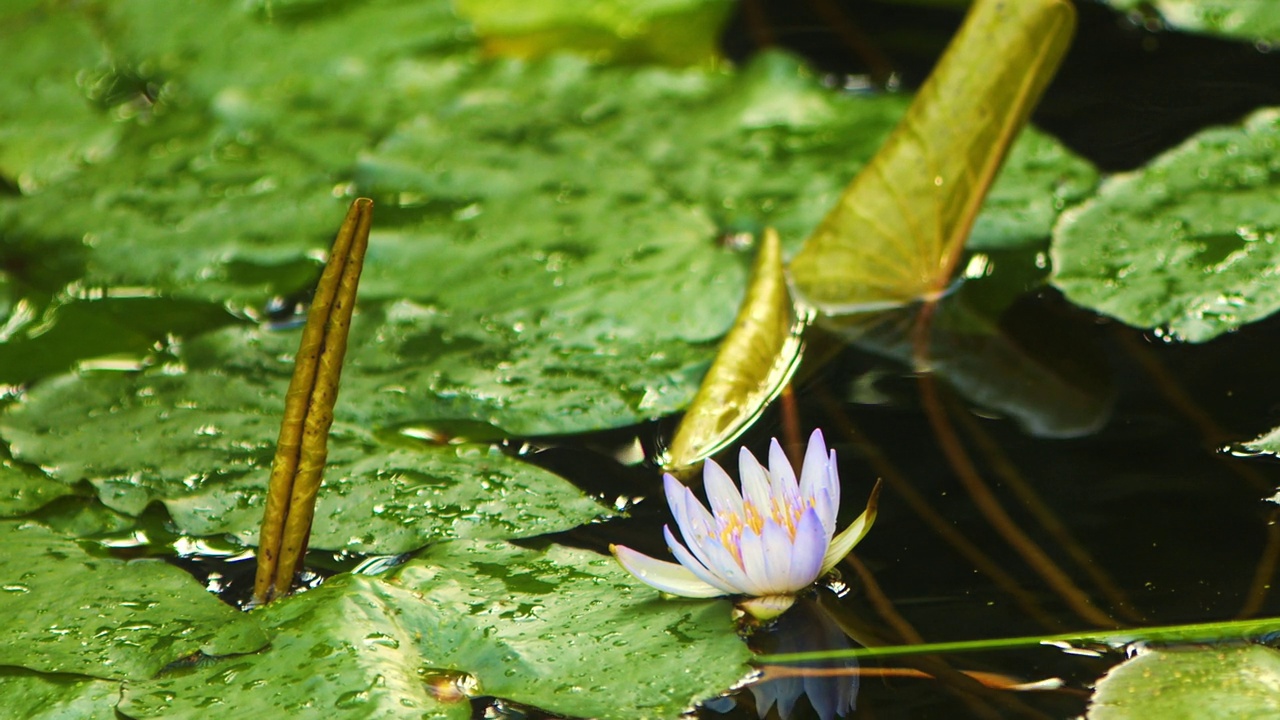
[805, 628]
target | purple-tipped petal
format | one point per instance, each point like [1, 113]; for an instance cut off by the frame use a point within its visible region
[813, 473]
[665, 576]
[827, 510]
[697, 566]
[755, 481]
[782, 474]
[721, 492]
[808, 550]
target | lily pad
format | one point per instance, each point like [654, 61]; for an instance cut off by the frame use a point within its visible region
[561, 629]
[1241, 19]
[201, 442]
[1188, 244]
[40, 696]
[66, 611]
[1191, 684]
[23, 488]
[51, 56]
[347, 649]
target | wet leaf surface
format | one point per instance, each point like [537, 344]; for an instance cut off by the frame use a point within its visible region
[561, 629]
[69, 612]
[1228, 18]
[40, 696]
[1187, 683]
[210, 460]
[1187, 245]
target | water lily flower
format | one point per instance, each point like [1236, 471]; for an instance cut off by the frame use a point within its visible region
[769, 541]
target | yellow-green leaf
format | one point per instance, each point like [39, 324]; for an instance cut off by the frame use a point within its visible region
[755, 361]
[896, 232]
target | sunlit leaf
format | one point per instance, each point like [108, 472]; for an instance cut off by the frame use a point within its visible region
[1267, 443]
[1205, 683]
[683, 32]
[63, 610]
[755, 361]
[896, 233]
[1243, 19]
[40, 696]
[559, 629]
[1189, 244]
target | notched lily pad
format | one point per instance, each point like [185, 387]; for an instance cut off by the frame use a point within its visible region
[1190, 243]
[43, 696]
[66, 611]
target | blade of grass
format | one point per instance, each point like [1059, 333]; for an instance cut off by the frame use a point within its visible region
[302, 447]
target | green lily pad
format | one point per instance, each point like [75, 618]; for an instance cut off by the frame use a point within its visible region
[562, 629]
[201, 442]
[50, 55]
[1191, 684]
[23, 488]
[40, 696]
[1240, 19]
[679, 32]
[347, 649]
[1188, 244]
[66, 611]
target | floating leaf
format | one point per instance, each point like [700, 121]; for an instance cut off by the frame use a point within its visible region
[52, 71]
[896, 233]
[559, 629]
[23, 489]
[684, 32]
[1188, 244]
[347, 649]
[755, 360]
[1191, 683]
[40, 696]
[1268, 443]
[201, 442]
[1243, 19]
[66, 611]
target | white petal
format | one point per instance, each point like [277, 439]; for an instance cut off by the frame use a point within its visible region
[665, 576]
[721, 492]
[697, 566]
[783, 476]
[755, 482]
[813, 473]
[843, 543]
[827, 511]
[833, 479]
[778, 559]
[752, 549]
[807, 551]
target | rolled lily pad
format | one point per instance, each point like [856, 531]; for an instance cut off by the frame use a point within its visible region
[201, 442]
[40, 696]
[561, 629]
[66, 611]
[1188, 244]
[1191, 684]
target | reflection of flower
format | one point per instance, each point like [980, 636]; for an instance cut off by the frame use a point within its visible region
[769, 541]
